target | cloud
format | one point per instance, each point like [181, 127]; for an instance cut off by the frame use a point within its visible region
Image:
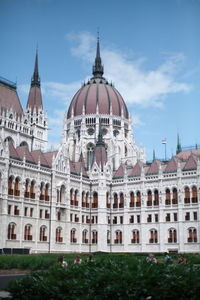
[144, 88]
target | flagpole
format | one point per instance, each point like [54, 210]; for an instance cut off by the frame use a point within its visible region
[165, 149]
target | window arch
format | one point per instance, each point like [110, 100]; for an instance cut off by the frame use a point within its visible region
[115, 204]
[85, 237]
[132, 199]
[149, 198]
[194, 194]
[167, 197]
[43, 231]
[153, 236]
[26, 193]
[135, 236]
[9, 139]
[138, 200]
[175, 196]
[73, 238]
[10, 185]
[187, 195]
[121, 199]
[59, 238]
[83, 199]
[32, 189]
[192, 235]
[71, 197]
[27, 232]
[24, 144]
[47, 192]
[118, 237]
[94, 237]
[11, 231]
[76, 198]
[16, 187]
[156, 198]
[95, 200]
[172, 235]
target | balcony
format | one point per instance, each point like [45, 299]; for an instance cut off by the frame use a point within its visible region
[26, 194]
[28, 237]
[59, 239]
[116, 241]
[32, 195]
[174, 201]
[153, 241]
[74, 240]
[149, 203]
[94, 241]
[167, 202]
[13, 236]
[186, 200]
[135, 241]
[131, 204]
[10, 191]
[17, 193]
[194, 199]
[85, 241]
[192, 240]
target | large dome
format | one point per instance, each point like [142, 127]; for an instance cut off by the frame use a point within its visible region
[97, 96]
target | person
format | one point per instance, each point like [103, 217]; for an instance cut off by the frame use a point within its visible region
[61, 262]
[151, 258]
[167, 258]
[182, 259]
[77, 260]
[90, 258]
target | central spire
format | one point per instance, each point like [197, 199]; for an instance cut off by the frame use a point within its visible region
[35, 81]
[98, 68]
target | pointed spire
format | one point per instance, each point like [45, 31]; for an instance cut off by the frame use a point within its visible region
[178, 148]
[98, 68]
[154, 155]
[35, 81]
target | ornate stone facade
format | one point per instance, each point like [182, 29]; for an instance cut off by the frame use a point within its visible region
[95, 192]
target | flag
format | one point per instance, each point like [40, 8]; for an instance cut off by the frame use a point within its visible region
[164, 142]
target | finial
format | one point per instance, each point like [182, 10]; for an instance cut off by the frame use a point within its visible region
[36, 79]
[178, 148]
[98, 68]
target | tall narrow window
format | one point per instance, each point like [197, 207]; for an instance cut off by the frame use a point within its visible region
[167, 197]
[192, 235]
[27, 233]
[132, 200]
[175, 197]
[187, 195]
[135, 237]
[194, 194]
[149, 198]
[172, 238]
[153, 236]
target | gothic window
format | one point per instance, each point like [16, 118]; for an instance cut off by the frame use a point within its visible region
[90, 154]
[10, 185]
[175, 196]
[132, 199]
[27, 233]
[73, 236]
[59, 238]
[94, 237]
[26, 193]
[115, 204]
[194, 194]
[95, 200]
[167, 197]
[43, 236]
[121, 204]
[118, 237]
[11, 231]
[47, 192]
[125, 151]
[135, 237]
[172, 238]
[153, 236]
[187, 195]
[9, 139]
[192, 235]
[24, 144]
[42, 191]
[138, 200]
[156, 198]
[84, 237]
[32, 189]
[149, 198]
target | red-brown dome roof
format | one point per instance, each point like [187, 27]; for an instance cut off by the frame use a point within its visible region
[97, 92]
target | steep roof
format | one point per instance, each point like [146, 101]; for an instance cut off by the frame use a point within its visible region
[136, 170]
[9, 98]
[172, 165]
[154, 168]
[191, 163]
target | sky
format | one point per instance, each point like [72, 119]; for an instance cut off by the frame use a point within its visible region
[150, 50]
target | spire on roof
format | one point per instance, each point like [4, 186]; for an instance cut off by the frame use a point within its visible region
[178, 148]
[35, 81]
[98, 68]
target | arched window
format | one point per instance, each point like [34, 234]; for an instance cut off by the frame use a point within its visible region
[32, 189]
[83, 199]
[71, 197]
[121, 203]
[135, 237]
[194, 194]
[27, 233]
[187, 195]
[26, 193]
[115, 204]
[108, 236]
[84, 237]
[42, 191]
[138, 200]
[87, 200]
[47, 192]
[172, 238]
[107, 200]
[24, 144]
[10, 185]
[153, 236]
[118, 237]
[95, 200]
[59, 238]
[132, 199]
[90, 154]
[11, 231]
[175, 196]
[43, 236]
[76, 198]
[73, 236]
[156, 198]
[62, 193]
[9, 139]
[16, 187]
[94, 237]
[167, 197]
[192, 235]
[149, 198]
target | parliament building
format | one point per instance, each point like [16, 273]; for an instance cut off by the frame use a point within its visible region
[96, 192]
